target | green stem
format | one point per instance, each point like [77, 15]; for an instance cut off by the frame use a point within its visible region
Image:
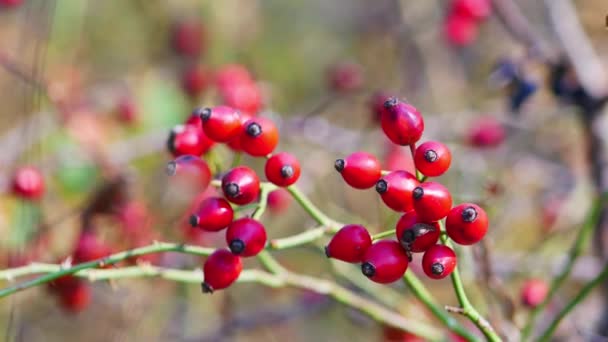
[576, 250]
[384, 234]
[299, 239]
[310, 208]
[601, 278]
[420, 292]
[236, 160]
[466, 308]
[156, 247]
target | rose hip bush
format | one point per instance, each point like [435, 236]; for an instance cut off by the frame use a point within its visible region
[334, 177]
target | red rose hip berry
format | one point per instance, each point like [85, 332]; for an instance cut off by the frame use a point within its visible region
[401, 122]
[28, 183]
[415, 235]
[384, 262]
[259, 137]
[432, 201]
[432, 158]
[221, 269]
[349, 244]
[246, 237]
[282, 169]
[213, 214]
[438, 261]
[534, 292]
[188, 139]
[360, 170]
[396, 188]
[221, 123]
[241, 185]
[466, 224]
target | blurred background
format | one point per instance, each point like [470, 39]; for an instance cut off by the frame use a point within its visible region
[91, 89]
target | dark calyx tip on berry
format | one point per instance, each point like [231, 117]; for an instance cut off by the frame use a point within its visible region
[194, 220]
[231, 189]
[204, 113]
[237, 246]
[339, 165]
[206, 288]
[391, 102]
[381, 186]
[171, 142]
[171, 168]
[430, 156]
[408, 236]
[469, 214]
[368, 269]
[287, 171]
[437, 269]
[254, 129]
[327, 252]
[418, 192]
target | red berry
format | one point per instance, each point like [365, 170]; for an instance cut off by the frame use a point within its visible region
[460, 30]
[28, 183]
[377, 105]
[401, 122]
[486, 132]
[415, 235]
[345, 76]
[432, 201]
[75, 298]
[188, 139]
[190, 167]
[384, 262]
[432, 158]
[259, 137]
[188, 38]
[474, 9]
[466, 224]
[246, 237]
[282, 169]
[235, 144]
[221, 269]
[438, 261]
[397, 158]
[213, 214]
[396, 188]
[232, 75]
[126, 111]
[221, 123]
[89, 248]
[534, 292]
[245, 96]
[391, 334]
[195, 80]
[241, 185]
[360, 170]
[278, 200]
[349, 244]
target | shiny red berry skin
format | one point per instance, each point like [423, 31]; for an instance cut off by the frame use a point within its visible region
[384, 262]
[188, 38]
[534, 292]
[235, 144]
[259, 137]
[459, 30]
[221, 123]
[415, 235]
[89, 248]
[396, 188]
[282, 169]
[28, 183]
[345, 77]
[474, 9]
[438, 261]
[486, 132]
[195, 80]
[360, 170]
[246, 237]
[349, 244]
[221, 269]
[278, 201]
[241, 185]
[401, 122]
[188, 139]
[432, 201]
[466, 224]
[189, 167]
[75, 298]
[432, 158]
[213, 214]
[245, 96]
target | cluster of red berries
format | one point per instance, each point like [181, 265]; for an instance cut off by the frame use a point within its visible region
[423, 203]
[245, 237]
[461, 25]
